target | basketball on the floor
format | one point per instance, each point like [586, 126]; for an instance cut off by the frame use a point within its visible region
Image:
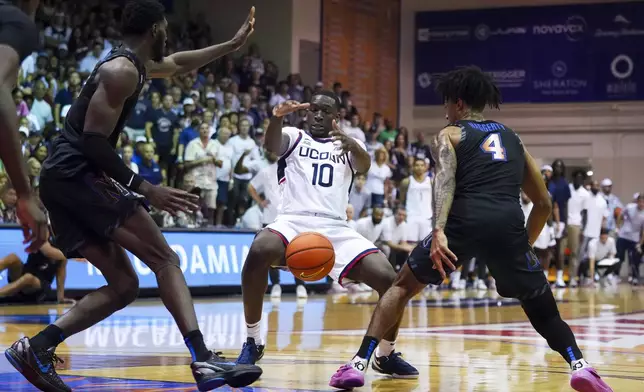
[310, 256]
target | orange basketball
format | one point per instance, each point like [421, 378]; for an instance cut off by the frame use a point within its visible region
[310, 256]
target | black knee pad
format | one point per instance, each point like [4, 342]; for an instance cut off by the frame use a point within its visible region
[541, 308]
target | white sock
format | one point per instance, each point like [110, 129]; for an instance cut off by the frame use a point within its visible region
[559, 274]
[360, 364]
[545, 273]
[252, 331]
[385, 348]
[579, 364]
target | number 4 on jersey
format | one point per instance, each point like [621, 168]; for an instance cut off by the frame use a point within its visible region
[492, 145]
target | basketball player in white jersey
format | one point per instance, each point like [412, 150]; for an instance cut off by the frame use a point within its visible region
[416, 196]
[316, 171]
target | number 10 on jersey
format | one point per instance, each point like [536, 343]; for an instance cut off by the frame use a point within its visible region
[322, 175]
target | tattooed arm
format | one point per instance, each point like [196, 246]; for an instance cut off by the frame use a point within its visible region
[443, 151]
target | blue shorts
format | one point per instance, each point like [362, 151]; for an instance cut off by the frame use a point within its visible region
[222, 192]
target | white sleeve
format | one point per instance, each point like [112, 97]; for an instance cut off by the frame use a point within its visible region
[592, 248]
[191, 152]
[293, 134]
[258, 182]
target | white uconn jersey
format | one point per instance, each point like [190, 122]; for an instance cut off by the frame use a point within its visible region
[419, 198]
[315, 177]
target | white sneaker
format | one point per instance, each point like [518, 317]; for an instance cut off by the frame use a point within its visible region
[573, 283]
[560, 284]
[300, 292]
[479, 285]
[337, 289]
[492, 284]
[276, 291]
[364, 288]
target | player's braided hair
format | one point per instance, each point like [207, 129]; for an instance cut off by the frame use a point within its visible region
[138, 16]
[470, 84]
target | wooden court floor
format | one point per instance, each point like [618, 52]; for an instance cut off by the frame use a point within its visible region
[460, 341]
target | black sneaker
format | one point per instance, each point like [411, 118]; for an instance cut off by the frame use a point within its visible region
[217, 372]
[251, 353]
[37, 366]
[394, 366]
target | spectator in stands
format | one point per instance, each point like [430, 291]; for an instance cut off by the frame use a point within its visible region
[600, 255]
[8, 200]
[40, 108]
[372, 145]
[243, 147]
[612, 201]
[360, 197]
[128, 153]
[281, 96]
[395, 238]
[65, 96]
[560, 191]
[630, 238]
[22, 110]
[201, 161]
[596, 215]
[160, 128]
[371, 227]
[92, 58]
[224, 173]
[379, 172]
[576, 215]
[149, 169]
[398, 156]
[353, 128]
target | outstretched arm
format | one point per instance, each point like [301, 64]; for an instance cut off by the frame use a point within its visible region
[184, 62]
[444, 154]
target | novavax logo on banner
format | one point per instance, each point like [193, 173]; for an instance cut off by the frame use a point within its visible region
[574, 28]
[560, 85]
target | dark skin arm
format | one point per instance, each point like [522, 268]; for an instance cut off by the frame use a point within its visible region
[443, 151]
[359, 156]
[535, 188]
[117, 81]
[190, 60]
[31, 217]
[275, 141]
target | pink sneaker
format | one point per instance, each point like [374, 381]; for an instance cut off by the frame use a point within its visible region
[587, 380]
[347, 378]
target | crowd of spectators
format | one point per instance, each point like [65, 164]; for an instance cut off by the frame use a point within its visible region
[203, 131]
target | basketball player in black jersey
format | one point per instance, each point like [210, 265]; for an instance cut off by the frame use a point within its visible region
[481, 167]
[29, 282]
[18, 39]
[90, 195]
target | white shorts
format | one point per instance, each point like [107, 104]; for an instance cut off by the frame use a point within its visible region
[349, 246]
[209, 197]
[418, 228]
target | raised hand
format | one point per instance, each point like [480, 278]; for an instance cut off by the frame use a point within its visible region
[347, 143]
[245, 30]
[288, 107]
[34, 223]
[172, 200]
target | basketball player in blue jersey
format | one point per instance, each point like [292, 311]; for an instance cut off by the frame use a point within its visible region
[316, 171]
[481, 167]
[18, 39]
[95, 206]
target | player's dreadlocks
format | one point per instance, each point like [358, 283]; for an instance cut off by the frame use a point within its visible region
[475, 88]
[138, 16]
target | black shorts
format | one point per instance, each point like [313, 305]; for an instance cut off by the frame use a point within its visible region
[18, 31]
[88, 206]
[517, 270]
